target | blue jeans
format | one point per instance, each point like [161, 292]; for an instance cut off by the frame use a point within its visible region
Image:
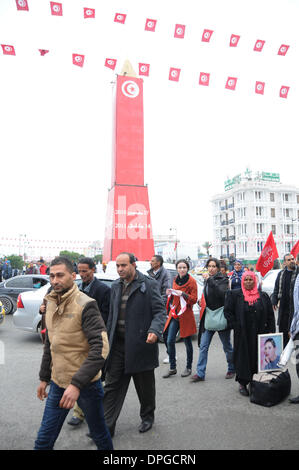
[90, 401]
[205, 342]
[172, 330]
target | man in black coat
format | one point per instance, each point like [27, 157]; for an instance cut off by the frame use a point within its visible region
[283, 295]
[98, 291]
[135, 322]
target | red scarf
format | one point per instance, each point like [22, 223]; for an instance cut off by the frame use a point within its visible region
[250, 296]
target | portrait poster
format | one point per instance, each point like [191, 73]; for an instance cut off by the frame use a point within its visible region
[270, 347]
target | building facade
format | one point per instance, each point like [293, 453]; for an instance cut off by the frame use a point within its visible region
[253, 205]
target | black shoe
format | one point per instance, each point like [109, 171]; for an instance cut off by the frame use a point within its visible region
[294, 400]
[74, 421]
[243, 391]
[169, 373]
[145, 426]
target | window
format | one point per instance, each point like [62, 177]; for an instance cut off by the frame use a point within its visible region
[272, 212]
[272, 197]
[286, 197]
[287, 229]
[273, 228]
[20, 282]
[287, 213]
[297, 198]
[258, 211]
[259, 228]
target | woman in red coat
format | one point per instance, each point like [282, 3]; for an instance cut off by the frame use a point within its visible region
[181, 299]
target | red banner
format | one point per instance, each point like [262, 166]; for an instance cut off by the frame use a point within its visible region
[268, 255]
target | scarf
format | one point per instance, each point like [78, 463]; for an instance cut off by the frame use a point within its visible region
[250, 296]
[237, 275]
[180, 281]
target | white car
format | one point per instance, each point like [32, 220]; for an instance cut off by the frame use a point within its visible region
[268, 282]
[27, 316]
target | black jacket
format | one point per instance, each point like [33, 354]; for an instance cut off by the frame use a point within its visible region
[286, 305]
[245, 337]
[100, 292]
[144, 315]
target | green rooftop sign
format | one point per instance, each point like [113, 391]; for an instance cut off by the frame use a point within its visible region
[228, 184]
[271, 177]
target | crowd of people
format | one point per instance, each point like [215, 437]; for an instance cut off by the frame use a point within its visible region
[89, 358]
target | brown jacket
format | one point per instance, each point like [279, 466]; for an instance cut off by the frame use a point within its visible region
[76, 342]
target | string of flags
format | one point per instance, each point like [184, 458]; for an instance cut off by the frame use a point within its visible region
[56, 9]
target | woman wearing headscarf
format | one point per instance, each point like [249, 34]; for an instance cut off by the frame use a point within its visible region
[235, 279]
[249, 313]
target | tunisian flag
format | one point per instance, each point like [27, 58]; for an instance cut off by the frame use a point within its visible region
[295, 249]
[267, 257]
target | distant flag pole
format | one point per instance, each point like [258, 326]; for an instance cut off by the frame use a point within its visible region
[269, 253]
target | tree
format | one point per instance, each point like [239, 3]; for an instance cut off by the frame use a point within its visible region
[72, 255]
[98, 258]
[16, 261]
[207, 246]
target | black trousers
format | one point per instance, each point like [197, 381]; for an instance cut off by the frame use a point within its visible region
[284, 328]
[116, 387]
[296, 340]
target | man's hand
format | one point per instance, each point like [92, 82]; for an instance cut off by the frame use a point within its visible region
[42, 309]
[41, 391]
[152, 338]
[69, 397]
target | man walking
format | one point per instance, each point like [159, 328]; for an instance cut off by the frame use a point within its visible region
[135, 322]
[283, 296]
[74, 353]
[100, 292]
[160, 274]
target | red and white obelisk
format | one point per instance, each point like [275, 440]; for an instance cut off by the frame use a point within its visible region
[128, 222]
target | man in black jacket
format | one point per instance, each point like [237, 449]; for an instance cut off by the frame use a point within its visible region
[100, 292]
[136, 320]
[283, 296]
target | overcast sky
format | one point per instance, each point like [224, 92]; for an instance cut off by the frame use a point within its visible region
[56, 118]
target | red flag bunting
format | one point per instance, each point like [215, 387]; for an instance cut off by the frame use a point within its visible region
[120, 18]
[259, 88]
[231, 83]
[144, 69]
[78, 59]
[284, 90]
[8, 50]
[22, 5]
[259, 45]
[110, 63]
[295, 249]
[283, 49]
[206, 35]
[179, 31]
[204, 79]
[174, 74]
[56, 8]
[150, 25]
[267, 257]
[43, 51]
[89, 13]
[234, 39]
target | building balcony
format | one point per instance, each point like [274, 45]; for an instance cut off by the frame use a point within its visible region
[231, 221]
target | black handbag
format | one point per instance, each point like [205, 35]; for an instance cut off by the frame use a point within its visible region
[270, 388]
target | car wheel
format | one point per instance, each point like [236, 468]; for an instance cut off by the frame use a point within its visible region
[7, 304]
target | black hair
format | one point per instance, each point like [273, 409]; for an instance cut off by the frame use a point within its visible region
[131, 256]
[88, 261]
[216, 261]
[159, 258]
[271, 340]
[182, 261]
[63, 260]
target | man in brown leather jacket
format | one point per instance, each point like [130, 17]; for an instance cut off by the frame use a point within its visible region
[75, 350]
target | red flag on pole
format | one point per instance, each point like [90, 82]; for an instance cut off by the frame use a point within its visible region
[295, 249]
[267, 257]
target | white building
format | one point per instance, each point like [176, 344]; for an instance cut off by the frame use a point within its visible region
[253, 205]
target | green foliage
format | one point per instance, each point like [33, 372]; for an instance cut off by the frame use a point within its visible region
[16, 261]
[72, 255]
